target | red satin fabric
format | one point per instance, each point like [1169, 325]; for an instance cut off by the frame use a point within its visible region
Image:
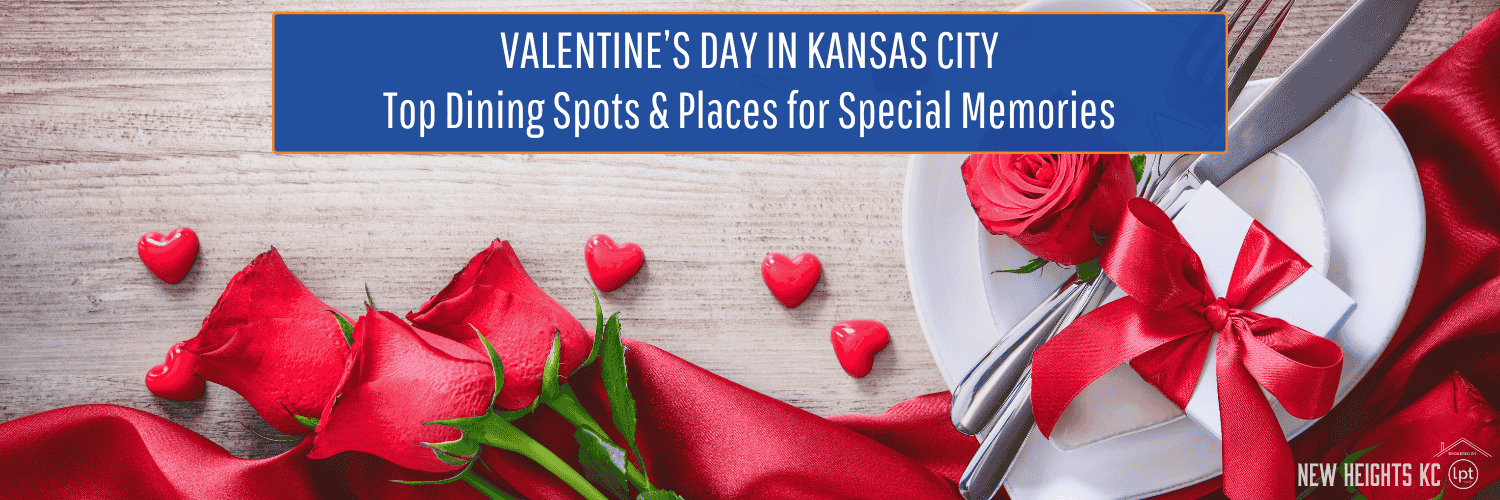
[1163, 330]
[702, 435]
[111, 452]
[1449, 115]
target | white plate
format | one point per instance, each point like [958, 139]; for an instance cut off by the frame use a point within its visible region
[1274, 190]
[1375, 219]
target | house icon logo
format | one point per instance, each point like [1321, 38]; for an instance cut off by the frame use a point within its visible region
[1462, 473]
[1461, 448]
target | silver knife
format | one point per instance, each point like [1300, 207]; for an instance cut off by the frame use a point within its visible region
[1312, 85]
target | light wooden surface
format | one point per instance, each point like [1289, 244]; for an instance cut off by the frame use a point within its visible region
[118, 118]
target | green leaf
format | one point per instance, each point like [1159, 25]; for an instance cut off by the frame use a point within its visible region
[483, 429]
[463, 423]
[1356, 455]
[513, 415]
[309, 422]
[1030, 267]
[616, 384]
[1440, 493]
[1339, 471]
[553, 369]
[1349, 459]
[369, 299]
[603, 463]
[1138, 164]
[461, 447]
[658, 495]
[1087, 271]
[495, 363]
[598, 329]
[344, 325]
[451, 459]
[456, 477]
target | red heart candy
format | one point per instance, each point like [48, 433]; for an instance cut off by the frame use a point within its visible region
[856, 341]
[174, 379]
[612, 265]
[169, 256]
[791, 280]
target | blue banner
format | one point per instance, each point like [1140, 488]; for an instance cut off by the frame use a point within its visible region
[366, 83]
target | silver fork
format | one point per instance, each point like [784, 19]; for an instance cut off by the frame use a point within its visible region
[993, 401]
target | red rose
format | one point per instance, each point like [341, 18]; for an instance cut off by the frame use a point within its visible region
[494, 294]
[1052, 205]
[1451, 423]
[269, 339]
[397, 379]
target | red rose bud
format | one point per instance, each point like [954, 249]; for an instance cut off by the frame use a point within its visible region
[494, 294]
[398, 379]
[1451, 430]
[1052, 205]
[269, 339]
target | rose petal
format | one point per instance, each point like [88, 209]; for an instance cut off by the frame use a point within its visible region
[494, 294]
[398, 379]
[272, 341]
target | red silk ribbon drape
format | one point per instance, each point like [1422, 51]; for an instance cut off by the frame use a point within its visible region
[1164, 329]
[702, 436]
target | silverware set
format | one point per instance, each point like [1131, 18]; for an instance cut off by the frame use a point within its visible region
[993, 402]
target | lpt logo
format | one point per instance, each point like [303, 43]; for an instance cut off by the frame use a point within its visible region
[1463, 474]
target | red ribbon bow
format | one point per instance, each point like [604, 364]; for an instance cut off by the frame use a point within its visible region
[1164, 329]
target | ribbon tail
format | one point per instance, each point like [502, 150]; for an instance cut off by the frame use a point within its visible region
[1258, 462]
[1096, 343]
[1301, 369]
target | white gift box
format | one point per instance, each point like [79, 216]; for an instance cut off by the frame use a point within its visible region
[1120, 402]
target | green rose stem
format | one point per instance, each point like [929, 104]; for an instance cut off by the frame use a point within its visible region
[493, 430]
[565, 403]
[561, 398]
[607, 463]
[489, 490]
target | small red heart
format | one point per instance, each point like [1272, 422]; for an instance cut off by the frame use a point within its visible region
[856, 341]
[791, 280]
[169, 256]
[174, 379]
[612, 265]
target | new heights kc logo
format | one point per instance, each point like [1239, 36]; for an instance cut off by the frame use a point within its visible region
[1453, 465]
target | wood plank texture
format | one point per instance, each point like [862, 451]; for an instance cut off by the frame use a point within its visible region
[118, 118]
